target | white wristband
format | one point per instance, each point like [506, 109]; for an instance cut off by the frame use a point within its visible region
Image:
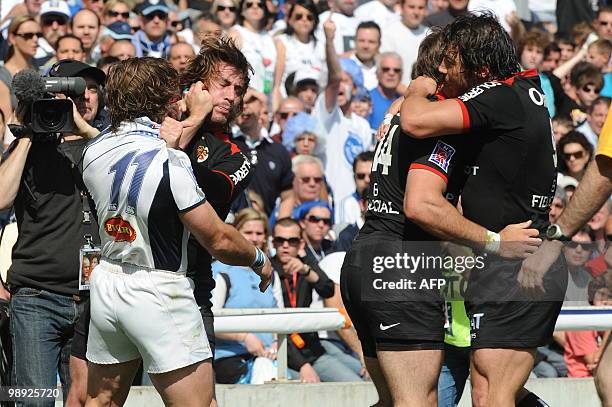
[493, 242]
[387, 119]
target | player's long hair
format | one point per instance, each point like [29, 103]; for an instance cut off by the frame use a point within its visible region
[485, 48]
[140, 87]
[430, 56]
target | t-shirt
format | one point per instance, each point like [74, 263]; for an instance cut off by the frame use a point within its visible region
[376, 11]
[501, 8]
[605, 138]
[346, 27]
[380, 104]
[138, 203]
[578, 344]
[345, 138]
[49, 215]
[298, 56]
[260, 51]
[396, 153]
[370, 81]
[398, 38]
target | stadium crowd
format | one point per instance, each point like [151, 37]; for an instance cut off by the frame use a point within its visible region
[323, 77]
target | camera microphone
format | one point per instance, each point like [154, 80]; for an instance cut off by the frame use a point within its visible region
[28, 86]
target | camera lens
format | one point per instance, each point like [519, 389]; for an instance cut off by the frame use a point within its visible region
[52, 119]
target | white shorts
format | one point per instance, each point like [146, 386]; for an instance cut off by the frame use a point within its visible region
[139, 312]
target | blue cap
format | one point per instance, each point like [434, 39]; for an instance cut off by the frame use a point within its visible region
[362, 95]
[304, 208]
[150, 6]
[119, 30]
[297, 124]
[350, 67]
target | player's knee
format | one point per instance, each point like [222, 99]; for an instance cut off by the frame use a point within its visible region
[480, 393]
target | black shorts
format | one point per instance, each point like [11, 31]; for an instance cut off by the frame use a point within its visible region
[388, 323]
[501, 313]
[78, 349]
[81, 329]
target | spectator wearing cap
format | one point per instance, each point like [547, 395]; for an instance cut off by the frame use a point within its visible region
[86, 25]
[301, 135]
[117, 31]
[367, 48]
[296, 46]
[271, 161]
[405, 36]
[152, 40]
[54, 17]
[288, 107]
[122, 50]
[256, 43]
[115, 11]
[306, 87]
[179, 54]
[347, 134]
[316, 219]
[389, 74]
[361, 103]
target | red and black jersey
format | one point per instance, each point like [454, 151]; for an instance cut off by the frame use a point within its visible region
[514, 177]
[223, 172]
[396, 153]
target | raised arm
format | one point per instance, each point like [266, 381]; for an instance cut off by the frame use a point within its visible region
[334, 70]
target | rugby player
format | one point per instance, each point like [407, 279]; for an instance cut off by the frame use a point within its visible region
[512, 179]
[402, 333]
[142, 303]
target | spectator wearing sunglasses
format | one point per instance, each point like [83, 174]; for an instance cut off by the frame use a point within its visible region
[389, 75]
[256, 43]
[584, 86]
[316, 219]
[114, 11]
[350, 210]
[576, 153]
[287, 109]
[152, 40]
[300, 275]
[577, 252]
[296, 47]
[54, 17]
[225, 12]
[23, 35]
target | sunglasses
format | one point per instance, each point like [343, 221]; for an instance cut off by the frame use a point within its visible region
[299, 16]
[306, 180]
[251, 4]
[29, 36]
[386, 69]
[585, 246]
[280, 241]
[175, 23]
[577, 155]
[158, 14]
[125, 15]
[46, 21]
[318, 219]
[590, 89]
[361, 175]
[223, 8]
[286, 115]
[134, 29]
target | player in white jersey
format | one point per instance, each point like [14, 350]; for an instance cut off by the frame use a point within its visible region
[147, 201]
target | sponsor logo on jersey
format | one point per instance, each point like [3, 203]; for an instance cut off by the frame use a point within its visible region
[442, 155]
[477, 90]
[120, 229]
[242, 172]
[380, 206]
[202, 153]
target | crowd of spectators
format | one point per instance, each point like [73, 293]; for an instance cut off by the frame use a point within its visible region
[324, 74]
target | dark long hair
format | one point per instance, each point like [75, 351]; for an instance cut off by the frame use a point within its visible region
[312, 8]
[573, 137]
[482, 43]
[264, 19]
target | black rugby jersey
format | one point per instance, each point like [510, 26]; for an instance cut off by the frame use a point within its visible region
[396, 153]
[514, 177]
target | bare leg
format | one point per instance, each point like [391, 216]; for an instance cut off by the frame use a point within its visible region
[185, 387]
[412, 376]
[493, 382]
[603, 377]
[384, 395]
[109, 385]
[78, 388]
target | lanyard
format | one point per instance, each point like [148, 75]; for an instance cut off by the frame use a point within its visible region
[292, 291]
[318, 256]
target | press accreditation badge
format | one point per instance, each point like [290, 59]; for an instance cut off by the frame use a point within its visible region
[89, 259]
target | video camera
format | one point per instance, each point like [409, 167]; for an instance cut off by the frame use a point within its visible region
[39, 109]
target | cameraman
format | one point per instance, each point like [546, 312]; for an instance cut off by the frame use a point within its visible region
[39, 176]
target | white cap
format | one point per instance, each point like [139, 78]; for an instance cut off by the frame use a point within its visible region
[564, 181]
[55, 7]
[306, 73]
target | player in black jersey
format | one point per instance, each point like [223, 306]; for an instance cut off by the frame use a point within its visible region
[511, 180]
[402, 330]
